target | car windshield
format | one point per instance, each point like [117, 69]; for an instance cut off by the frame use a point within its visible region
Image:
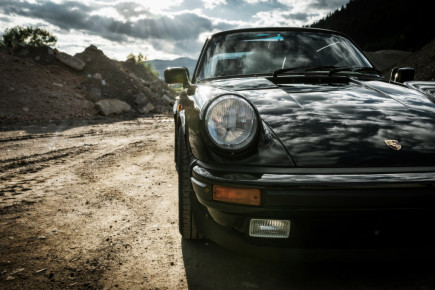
[262, 53]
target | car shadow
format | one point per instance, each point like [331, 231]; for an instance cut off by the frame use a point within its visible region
[209, 266]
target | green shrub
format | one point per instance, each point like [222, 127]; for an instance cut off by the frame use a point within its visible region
[27, 35]
[141, 59]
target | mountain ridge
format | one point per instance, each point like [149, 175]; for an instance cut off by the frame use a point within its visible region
[160, 64]
[383, 24]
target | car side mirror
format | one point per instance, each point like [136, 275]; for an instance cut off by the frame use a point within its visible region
[177, 75]
[402, 74]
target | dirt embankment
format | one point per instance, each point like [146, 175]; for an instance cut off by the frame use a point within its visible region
[36, 86]
[423, 61]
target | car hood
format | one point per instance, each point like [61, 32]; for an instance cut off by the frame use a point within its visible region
[345, 125]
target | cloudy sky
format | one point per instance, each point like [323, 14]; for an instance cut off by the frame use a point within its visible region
[164, 29]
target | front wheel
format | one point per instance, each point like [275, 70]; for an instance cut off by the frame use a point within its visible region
[185, 193]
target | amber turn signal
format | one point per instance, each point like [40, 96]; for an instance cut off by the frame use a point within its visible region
[246, 196]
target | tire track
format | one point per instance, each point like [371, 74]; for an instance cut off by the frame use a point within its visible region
[36, 162]
[28, 137]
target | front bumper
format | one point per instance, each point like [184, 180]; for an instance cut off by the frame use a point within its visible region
[331, 210]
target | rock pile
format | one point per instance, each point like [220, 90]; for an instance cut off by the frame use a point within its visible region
[40, 83]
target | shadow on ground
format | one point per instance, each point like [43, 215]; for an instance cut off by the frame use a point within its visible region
[209, 266]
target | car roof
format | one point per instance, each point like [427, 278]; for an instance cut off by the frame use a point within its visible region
[260, 29]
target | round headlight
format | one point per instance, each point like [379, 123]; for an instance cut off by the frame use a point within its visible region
[231, 122]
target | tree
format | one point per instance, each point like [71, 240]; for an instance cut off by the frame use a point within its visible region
[27, 35]
[141, 59]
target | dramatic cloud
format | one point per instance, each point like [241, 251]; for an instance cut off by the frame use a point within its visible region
[130, 10]
[164, 28]
[210, 4]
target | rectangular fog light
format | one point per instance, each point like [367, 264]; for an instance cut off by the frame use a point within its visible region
[265, 228]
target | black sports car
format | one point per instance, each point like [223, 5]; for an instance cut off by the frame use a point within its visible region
[288, 142]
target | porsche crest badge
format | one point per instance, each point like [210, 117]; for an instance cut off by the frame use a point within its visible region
[393, 144]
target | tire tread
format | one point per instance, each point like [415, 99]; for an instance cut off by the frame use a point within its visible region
[185, 192]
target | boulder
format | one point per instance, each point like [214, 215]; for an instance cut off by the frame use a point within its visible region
[71, 61]
[112, 106]
[168, 99]
[146, 109]
[141, 99]
[98, 76]
[94, 94]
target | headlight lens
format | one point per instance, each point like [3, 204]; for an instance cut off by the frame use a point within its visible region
[231, 122]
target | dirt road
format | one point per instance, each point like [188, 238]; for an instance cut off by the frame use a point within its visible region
[93, 205]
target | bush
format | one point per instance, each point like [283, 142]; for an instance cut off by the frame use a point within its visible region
[141, 59]
[27, 35]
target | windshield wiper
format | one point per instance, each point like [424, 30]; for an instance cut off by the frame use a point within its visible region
[305, 68]
[354, 69]
[330, 68]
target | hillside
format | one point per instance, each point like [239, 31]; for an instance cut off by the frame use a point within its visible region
[384, 24]
[423, 61]
[36, 85]
[160, 65]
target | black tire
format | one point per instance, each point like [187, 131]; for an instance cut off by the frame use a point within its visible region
[185, 193]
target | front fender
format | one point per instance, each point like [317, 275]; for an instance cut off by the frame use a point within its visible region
[268, 151]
